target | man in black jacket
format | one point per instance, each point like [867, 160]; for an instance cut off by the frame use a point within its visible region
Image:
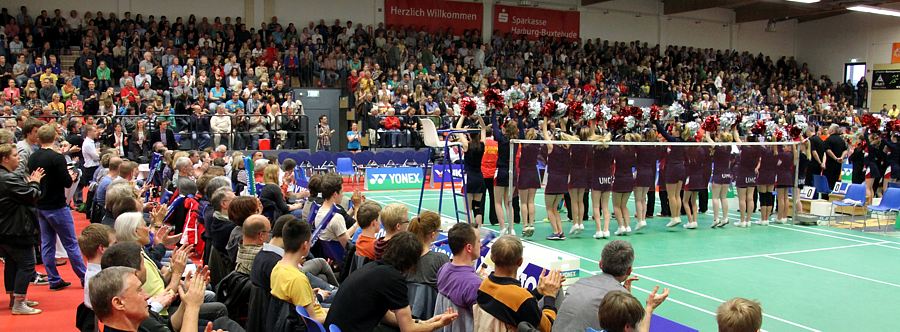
[165, 135]
[54, 217]
[18, 196]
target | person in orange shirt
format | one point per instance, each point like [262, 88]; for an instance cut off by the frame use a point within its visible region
[488, 169]
[367, 217]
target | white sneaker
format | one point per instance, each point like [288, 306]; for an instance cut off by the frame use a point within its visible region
[512, 230]
[674, 222]
[641, 224]
[724, 222]
[606, 234]
[573, 230]
[690, 225]
[620, 231]
[628, 229]
[598, 235]
[781, 221]
[580, 227]
[715, 223]
[763, 223]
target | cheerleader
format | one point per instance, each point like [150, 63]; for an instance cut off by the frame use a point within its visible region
[578, 183]
[623, 182]
[722, 159]
[784, 179]
[601, 184]
[674, 170]
[528, 181]
[698, 165]
[893, 160]
[873, 159]
[473, 149]
[745, 178]
[645, 178]
[765, 181]
[502, 203]
[558, 162]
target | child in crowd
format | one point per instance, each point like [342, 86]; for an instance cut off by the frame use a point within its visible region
[367, 217]
[395, 218]
[739, 315]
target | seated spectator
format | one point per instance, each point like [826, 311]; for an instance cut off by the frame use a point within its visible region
[218, 228]
[620, 311]
[503, 303]
[238, 211]
[739, 315]
[426, 228]
[457, 279]
[256, 233]
[288, 283]
[94, 240]
[579, 309]
[122, 286]
[367, 217]
[334, 229]
[395, 218]
[272, 197]
[377, 292]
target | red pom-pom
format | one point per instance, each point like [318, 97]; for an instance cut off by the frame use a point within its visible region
[699, 135]
[615, 123]
[759, 129]
[894, 126]
[549, 109]
[575, 110]
[870, 121]
[779, 135]
[634, 111]
[710, 124]
[493, 97]
[521, 106]
[654, 112]
[467, 106]
[794, 131]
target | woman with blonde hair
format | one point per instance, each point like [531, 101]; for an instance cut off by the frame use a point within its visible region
[272, 198]
[722, 163]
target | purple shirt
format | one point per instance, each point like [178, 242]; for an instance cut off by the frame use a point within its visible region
[459, 284]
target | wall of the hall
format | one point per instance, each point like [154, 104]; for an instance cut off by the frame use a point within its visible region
[827, 44]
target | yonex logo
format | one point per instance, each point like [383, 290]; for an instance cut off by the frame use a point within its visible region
[378, 178]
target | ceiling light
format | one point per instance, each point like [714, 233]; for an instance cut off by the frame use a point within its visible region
[805, 1]
[875, 10]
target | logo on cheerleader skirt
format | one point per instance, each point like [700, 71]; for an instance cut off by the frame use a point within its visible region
[392, 178]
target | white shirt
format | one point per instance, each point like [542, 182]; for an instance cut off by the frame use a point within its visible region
[89, 150]
[91, 270]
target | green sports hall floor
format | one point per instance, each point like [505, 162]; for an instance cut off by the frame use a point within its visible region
[807, 278]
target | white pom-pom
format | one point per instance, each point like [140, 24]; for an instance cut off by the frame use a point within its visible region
[748, 123]
[630, 122]
[534, 108]
[771, 127]
[561, 110]
[727, 120]
[692, 127]
[589, 112]
[456, 109]
[605, 112]
[513, 96]
[675, 110]
[480, 106]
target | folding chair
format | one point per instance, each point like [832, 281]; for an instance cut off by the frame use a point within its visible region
[890, 203]
[855, 197]
[311, 324]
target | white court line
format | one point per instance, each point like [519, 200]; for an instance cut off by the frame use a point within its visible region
[753, 256]
[835, 271]
[885, 238]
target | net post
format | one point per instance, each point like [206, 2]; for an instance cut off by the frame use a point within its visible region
[510, 218]
[796, 195]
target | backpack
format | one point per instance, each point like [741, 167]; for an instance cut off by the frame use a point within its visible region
[234, 292]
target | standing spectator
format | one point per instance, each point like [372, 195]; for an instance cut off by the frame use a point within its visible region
[353, 138]
[323, 134]
[165, 135]
[91, 156]
[53, 214]
[836, 153]
[18, 196]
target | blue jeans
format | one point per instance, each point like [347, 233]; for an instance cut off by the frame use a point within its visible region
[59, 222]
[18, 270]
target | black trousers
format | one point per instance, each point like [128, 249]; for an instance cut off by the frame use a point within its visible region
[651, 202]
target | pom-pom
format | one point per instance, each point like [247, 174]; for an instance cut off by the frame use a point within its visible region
[748, 123]
[521, 106]
[605, 112]
[615, 123]
[894, 126]
[758, 128]
[467, 106]
[870, 121]
[513, 96]
[654, 112]
[576, 110]
[480, 107]
[493, 98]
[630, 122]
[548, 109]
[534, 108]
[675, 110]
[771, 127]
[589, 112]
[457, 109]
[561, 110]
[710, 124]
[794, 131]
[728, 120]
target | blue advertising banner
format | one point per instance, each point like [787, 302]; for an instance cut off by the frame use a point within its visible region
[393, 178]
[440, 174]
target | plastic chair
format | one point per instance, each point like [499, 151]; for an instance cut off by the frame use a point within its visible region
[311, 324]
[334, 328]
[821, 184]
[855, 197]
[344, 166]
[430, 135]
[890, 203]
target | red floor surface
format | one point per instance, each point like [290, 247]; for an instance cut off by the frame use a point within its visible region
[58, 306]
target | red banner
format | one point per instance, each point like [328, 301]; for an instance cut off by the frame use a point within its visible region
[537, 22]
[434, 15]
